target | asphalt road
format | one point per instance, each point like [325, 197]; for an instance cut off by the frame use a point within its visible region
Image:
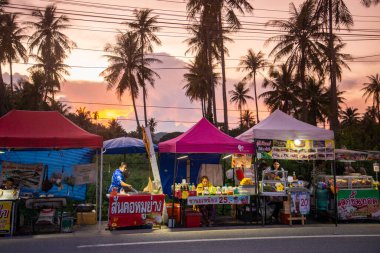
[355, 238]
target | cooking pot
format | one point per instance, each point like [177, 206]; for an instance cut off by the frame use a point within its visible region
[85, 207]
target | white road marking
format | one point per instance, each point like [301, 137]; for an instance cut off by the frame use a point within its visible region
[222, 239]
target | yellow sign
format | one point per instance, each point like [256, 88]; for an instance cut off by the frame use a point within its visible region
[5, 217]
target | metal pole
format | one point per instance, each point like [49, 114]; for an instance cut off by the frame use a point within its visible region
[173, 186]
[335, 194]
[100, 190]
[97, 181]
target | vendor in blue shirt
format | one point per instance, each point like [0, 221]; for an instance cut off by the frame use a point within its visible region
[118, 178]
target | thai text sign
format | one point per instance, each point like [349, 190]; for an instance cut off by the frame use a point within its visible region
[135, 210]
[218, 200]
[85, 173]
[358, 204]
[5, 217]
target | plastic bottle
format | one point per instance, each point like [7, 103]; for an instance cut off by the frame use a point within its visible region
[294, 175]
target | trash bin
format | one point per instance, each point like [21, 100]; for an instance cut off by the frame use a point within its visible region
[67, 224]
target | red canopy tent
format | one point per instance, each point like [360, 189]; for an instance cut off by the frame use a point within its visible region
[204, 137]
[43, 129]
[46, 129]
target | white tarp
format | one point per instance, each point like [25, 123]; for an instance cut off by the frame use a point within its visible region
[281, 126]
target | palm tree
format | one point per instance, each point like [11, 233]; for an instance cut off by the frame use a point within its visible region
[145, 27]
[350, 117]
[299, 43]
[333, 14]
[205, 44]
[52, 46]
[125, 68]
[152, 123]
[220, 7]
[248, 119]
[239, 96]
[53, 70]
[197, 86]
[253, 63]
[372, 89]
[317, 100]
[284, 93]
[11, 38]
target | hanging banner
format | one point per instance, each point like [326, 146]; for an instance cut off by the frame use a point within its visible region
[358, 204]
[291, 150]
[5, 217]
[85, 173]
[26, 176]
[241, 161]
[147, 138]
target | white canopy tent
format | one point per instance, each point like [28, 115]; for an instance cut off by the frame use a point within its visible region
[281, 126]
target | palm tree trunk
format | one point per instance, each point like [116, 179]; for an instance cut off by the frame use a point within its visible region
[203, 108]
[134, 108]
[224, 92]
[241, 118]
[211, 73]
[303, 87]
[143, 81]
[3, 102]
[334, 103]
[11, 74]
[257, 106]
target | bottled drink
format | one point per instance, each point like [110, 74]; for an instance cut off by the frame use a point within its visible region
[294, 175]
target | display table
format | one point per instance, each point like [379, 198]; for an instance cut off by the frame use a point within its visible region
[45, 203]
[358, 204]
[129, 210]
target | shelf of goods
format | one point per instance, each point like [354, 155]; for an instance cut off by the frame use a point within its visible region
[274, 186]
[350, 181]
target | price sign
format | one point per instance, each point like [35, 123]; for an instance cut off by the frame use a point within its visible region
[376, 167]
[300, 203]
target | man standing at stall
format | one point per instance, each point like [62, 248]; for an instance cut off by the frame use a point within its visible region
[118, 180]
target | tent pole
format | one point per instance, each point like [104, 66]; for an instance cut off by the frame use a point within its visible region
[335, 194]
[97, 181]
[100, 189]
[173, 185]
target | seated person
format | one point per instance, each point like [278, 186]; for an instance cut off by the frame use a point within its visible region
[206, 210]
[274, 171]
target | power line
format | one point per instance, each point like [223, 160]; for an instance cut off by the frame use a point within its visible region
[149, 106]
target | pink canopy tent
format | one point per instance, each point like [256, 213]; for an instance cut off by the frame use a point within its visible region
[204, 137]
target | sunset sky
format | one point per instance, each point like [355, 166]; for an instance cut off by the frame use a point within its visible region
[94, 23]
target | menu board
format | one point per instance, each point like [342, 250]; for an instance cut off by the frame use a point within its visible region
[302, 150]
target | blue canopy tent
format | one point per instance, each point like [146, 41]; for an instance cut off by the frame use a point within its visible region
[125, 145]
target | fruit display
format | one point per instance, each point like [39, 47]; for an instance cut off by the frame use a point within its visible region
[349, 182]
[246, 181]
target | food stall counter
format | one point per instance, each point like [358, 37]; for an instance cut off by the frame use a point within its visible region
[135, 209]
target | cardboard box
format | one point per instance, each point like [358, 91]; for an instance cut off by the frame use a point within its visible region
[86, 218]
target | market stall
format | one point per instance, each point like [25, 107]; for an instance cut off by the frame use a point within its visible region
[202, 139]
[357, 192]
[283, 137]
[133, 209]
[38, 148]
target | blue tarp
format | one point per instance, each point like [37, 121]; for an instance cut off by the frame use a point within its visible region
[125, 145]
[56, 160]
[166, 167]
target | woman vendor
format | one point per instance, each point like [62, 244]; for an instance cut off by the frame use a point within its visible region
[275, 172]
[206, 210]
